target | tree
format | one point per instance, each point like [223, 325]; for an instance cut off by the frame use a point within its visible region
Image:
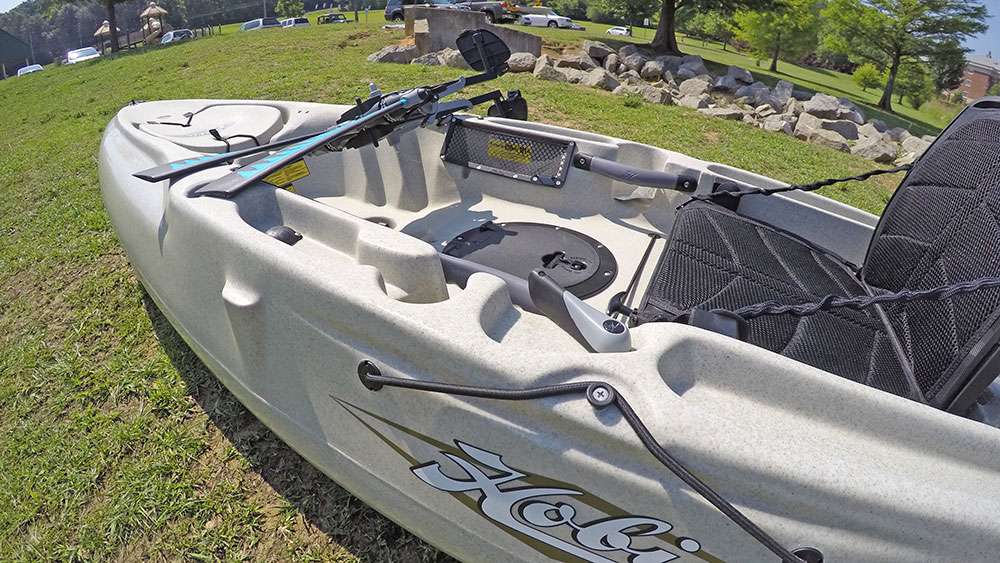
[915, 82]
[891, 32]
[948, 64]
[631, 12]
[572, 9]
[665, 40]
[867, 76]
[994, 90]
[289, 8]
[712, 24]
[789, 28]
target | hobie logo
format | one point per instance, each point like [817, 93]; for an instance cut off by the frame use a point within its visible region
[556, 524]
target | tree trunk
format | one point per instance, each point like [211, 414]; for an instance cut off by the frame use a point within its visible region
[890, 83]
[777, 51]
[109, 6]
[665, 40]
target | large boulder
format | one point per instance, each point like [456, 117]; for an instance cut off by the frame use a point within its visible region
[694, 102]
[597, 50]
[831, 139]
[780, 123]
[847, 129]
[850, 112]
[573, 75]
[807, 126]
[740, 74]
[897, 134]
[734, 114]
[691, 70]
[546, 72]
[876, 148]
[695, 62]
[793, 107]
[694, 87]
[671, 62]
[758, 94]
[402, 54]
[522, 62]
[726, 84]
[915, 145]
[627, 49]
[655, 95]
[782, 93]
[630, 77]
[822, 105]
[872, 130]
[611, 63]
[634, 61]
[453, 58]
[579, 61]
[652, 70]
[429, 59]
[600, 78]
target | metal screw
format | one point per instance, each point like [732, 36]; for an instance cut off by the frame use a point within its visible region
[600, 395]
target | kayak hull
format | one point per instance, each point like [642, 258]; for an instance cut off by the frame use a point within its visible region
[814, 459]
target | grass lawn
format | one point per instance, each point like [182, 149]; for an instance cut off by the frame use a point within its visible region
[929, 119]
[116, 443]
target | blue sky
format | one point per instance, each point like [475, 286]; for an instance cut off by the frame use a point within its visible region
[989, 41]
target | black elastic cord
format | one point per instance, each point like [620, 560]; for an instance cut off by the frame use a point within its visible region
[376, 381]
[860, 302]
[794, 187]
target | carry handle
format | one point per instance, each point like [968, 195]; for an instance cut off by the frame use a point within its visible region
[684, 182]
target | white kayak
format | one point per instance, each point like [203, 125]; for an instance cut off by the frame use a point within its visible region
[506, 337]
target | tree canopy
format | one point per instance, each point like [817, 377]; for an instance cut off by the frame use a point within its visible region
[665, 40]
[789, 29]
[631, 12]
[867, 76]
[891, 32]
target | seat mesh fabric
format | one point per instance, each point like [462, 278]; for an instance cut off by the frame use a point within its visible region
[942, 227]
[718, 259]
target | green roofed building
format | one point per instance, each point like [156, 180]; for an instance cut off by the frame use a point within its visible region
[14, 54]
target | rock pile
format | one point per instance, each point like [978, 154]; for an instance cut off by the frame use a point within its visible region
[686, 81]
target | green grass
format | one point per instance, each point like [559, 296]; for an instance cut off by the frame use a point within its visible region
[929, 119]
[116, 443]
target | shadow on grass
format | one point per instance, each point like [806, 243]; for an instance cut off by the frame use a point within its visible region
[335, 516]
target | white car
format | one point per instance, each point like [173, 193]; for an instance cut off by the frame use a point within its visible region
[619, 30]
[260, 23]
[80, 55]
[28, 69]
[547, 19]
[176, 35]
[295, 22]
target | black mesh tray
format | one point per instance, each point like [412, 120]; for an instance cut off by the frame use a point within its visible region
[506, 151]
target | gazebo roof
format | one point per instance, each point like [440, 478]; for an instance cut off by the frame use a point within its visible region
[105, 30]
[153, 11]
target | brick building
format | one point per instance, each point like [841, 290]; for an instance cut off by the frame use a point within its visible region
[981, 73]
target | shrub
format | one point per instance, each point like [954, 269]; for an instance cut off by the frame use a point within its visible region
[867, 76]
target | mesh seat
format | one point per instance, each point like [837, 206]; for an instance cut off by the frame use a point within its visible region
[941, 227]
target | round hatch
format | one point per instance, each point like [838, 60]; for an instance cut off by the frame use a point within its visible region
[577, 262]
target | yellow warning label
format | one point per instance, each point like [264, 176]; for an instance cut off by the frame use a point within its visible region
[506, 150]
[284, 177]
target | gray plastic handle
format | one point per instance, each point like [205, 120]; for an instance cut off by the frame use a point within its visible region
[685, 182]
[590, 327]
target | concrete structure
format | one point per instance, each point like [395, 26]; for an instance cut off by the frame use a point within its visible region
[434, 29]
[14, 54]
[981, 73]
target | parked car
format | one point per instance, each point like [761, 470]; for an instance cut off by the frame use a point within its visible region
[28, 69]
[332, 18]
[80, 55]
[548, 19]
[496, 12]
[295, 22]
[260, 23]
[176, 35]
[619, 30]
[394, 8]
